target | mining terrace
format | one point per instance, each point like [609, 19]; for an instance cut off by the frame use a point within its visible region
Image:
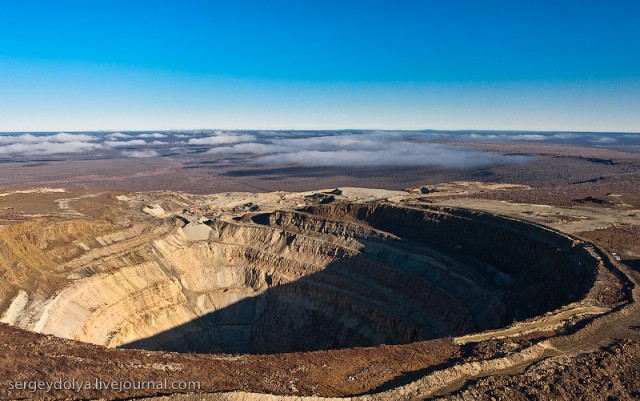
[339, 293]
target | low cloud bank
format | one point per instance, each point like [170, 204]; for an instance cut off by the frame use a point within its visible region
[308, 148]
[582, 138]
[124, 144]
[363, 150]
[424, 155]
[139, 154]
[48, 148]
[64, 143]
[47, 144]
[221, 138]
[56, 138]
[520, 137]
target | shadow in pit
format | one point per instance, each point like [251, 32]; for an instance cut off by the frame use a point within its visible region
[354, 302]
[375, 297]
[633, 263]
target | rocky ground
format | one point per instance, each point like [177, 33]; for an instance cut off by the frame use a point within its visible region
[609, 373]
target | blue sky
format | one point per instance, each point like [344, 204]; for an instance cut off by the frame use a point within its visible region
[137, 65]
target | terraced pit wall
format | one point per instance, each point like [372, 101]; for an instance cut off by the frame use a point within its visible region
[332, 276]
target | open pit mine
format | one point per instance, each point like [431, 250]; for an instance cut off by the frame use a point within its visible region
[370, 294]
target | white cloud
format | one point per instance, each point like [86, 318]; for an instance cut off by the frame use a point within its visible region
[249, 147]
[362, 150]
[480, 137]
[117, 135]
[574, 137]
[604, 139]
[48, 144]
[26, 138]
[57, 138]
[64, 137]
[529, 137]
[121, 144]
[222, 138]
[566, 136]
[418, 155]
[502, 137]
[49, 148]
[139, 154]
[155, 135]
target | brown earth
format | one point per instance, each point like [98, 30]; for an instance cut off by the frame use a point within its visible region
[610, 373]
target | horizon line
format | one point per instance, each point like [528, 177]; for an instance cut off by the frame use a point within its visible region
[320, 130]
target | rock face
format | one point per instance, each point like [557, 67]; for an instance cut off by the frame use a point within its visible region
[317, 277]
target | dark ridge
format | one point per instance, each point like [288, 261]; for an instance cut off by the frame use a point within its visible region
[587, 181]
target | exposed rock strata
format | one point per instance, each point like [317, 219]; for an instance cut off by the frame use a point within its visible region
[319, 277]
